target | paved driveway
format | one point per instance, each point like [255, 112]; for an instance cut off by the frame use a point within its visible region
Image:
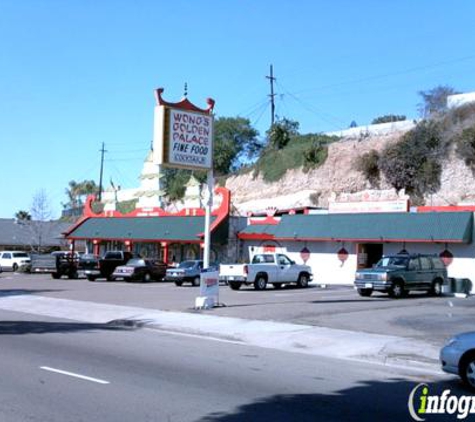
[418, 316]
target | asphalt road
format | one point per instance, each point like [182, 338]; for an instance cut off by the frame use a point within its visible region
[419, 316]
[64, 371]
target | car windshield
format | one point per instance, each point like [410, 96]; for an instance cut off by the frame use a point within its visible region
[187, 264]
[393, 261]
[20, 255]
[136, 262]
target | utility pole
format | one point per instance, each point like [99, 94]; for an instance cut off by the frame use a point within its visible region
[102, 151]
[272, 95]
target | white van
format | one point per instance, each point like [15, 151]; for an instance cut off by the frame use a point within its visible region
[12, 260]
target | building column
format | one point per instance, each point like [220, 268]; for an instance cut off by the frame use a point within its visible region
[164, 245]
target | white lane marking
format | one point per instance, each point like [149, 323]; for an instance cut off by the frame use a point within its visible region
[71, 374]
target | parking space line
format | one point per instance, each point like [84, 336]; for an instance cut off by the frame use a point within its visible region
[74, 375]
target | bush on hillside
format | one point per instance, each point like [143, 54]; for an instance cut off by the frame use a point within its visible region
[465, 147]
[303, 151]
[388, 118]
[414, 163]
[368, 164]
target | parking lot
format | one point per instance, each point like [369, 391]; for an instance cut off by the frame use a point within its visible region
[418, 316]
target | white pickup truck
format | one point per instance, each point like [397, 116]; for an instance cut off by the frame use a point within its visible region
[274, 268]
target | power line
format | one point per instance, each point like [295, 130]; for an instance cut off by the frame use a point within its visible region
[386, 75]
[329, 119]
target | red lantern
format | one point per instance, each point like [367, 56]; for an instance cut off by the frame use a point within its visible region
[342, 255]
[305, 254]
[447, 257]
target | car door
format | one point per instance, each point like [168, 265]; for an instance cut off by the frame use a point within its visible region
[6, 260]
[427, 272]
[285, 272]
[413, 274]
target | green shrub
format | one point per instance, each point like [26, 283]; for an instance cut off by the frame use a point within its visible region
[303, 151]
[465, 147]
[368, 164]
[388, 118]
[414, 163]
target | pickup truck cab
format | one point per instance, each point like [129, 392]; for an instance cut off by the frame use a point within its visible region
[274, 268]
[107, 264]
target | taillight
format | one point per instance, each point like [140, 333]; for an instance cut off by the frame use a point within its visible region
[246, 269]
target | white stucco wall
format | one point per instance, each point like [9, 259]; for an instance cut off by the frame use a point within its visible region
[378, 130]
[458, 100]
[328, 269]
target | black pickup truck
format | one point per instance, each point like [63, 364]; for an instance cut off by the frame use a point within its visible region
[107, 264]
[63, 263]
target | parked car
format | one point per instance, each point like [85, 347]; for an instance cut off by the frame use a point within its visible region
[140, 269]
[401, 273]
[275, 268]
[458, 357]
[14, 260]
[187, 271]
[107, 264]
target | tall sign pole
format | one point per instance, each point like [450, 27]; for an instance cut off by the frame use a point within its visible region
[183, 138]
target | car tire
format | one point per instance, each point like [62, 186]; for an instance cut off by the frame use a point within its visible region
[260, 283]
[56, 276]
[110, 278]
[436, 288]
[467, 370]
[147, 278]
[15, 267]
[365, 292]
[178, 283]
[234, 285]
[196, 281]
[277, 286]
[91, 278]
[73, 276]
[302, 281]
[396, 291]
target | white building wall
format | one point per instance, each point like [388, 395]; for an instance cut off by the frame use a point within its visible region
[328, 269]
[326, 266]
[458, 100]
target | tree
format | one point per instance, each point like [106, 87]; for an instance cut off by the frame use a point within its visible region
[281, 133]
[388, 118]
[35, 221]
[414, 163]
[235, 141]
[435, 100]
[23, 216]
[78, 191]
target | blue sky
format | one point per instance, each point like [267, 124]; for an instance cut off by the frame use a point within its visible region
[74, 74]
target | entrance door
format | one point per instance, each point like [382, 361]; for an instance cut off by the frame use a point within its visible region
[369, 254]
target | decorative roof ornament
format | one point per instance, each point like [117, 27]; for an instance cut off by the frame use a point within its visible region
[184, 103]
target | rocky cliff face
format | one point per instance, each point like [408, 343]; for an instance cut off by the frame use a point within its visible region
[338, 179]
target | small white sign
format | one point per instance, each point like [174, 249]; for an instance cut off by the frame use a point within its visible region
[209, 289]
[401, 205]
[190, 139]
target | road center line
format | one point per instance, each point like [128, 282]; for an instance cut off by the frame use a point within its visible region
[71, 374]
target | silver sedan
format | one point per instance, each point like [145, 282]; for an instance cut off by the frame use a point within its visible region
[458, 357]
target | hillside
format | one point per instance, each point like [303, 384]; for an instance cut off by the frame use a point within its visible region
[338, 178]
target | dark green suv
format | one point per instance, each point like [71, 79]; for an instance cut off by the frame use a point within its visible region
[399, 274]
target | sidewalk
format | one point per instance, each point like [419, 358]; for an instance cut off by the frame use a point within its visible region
[318, 341]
